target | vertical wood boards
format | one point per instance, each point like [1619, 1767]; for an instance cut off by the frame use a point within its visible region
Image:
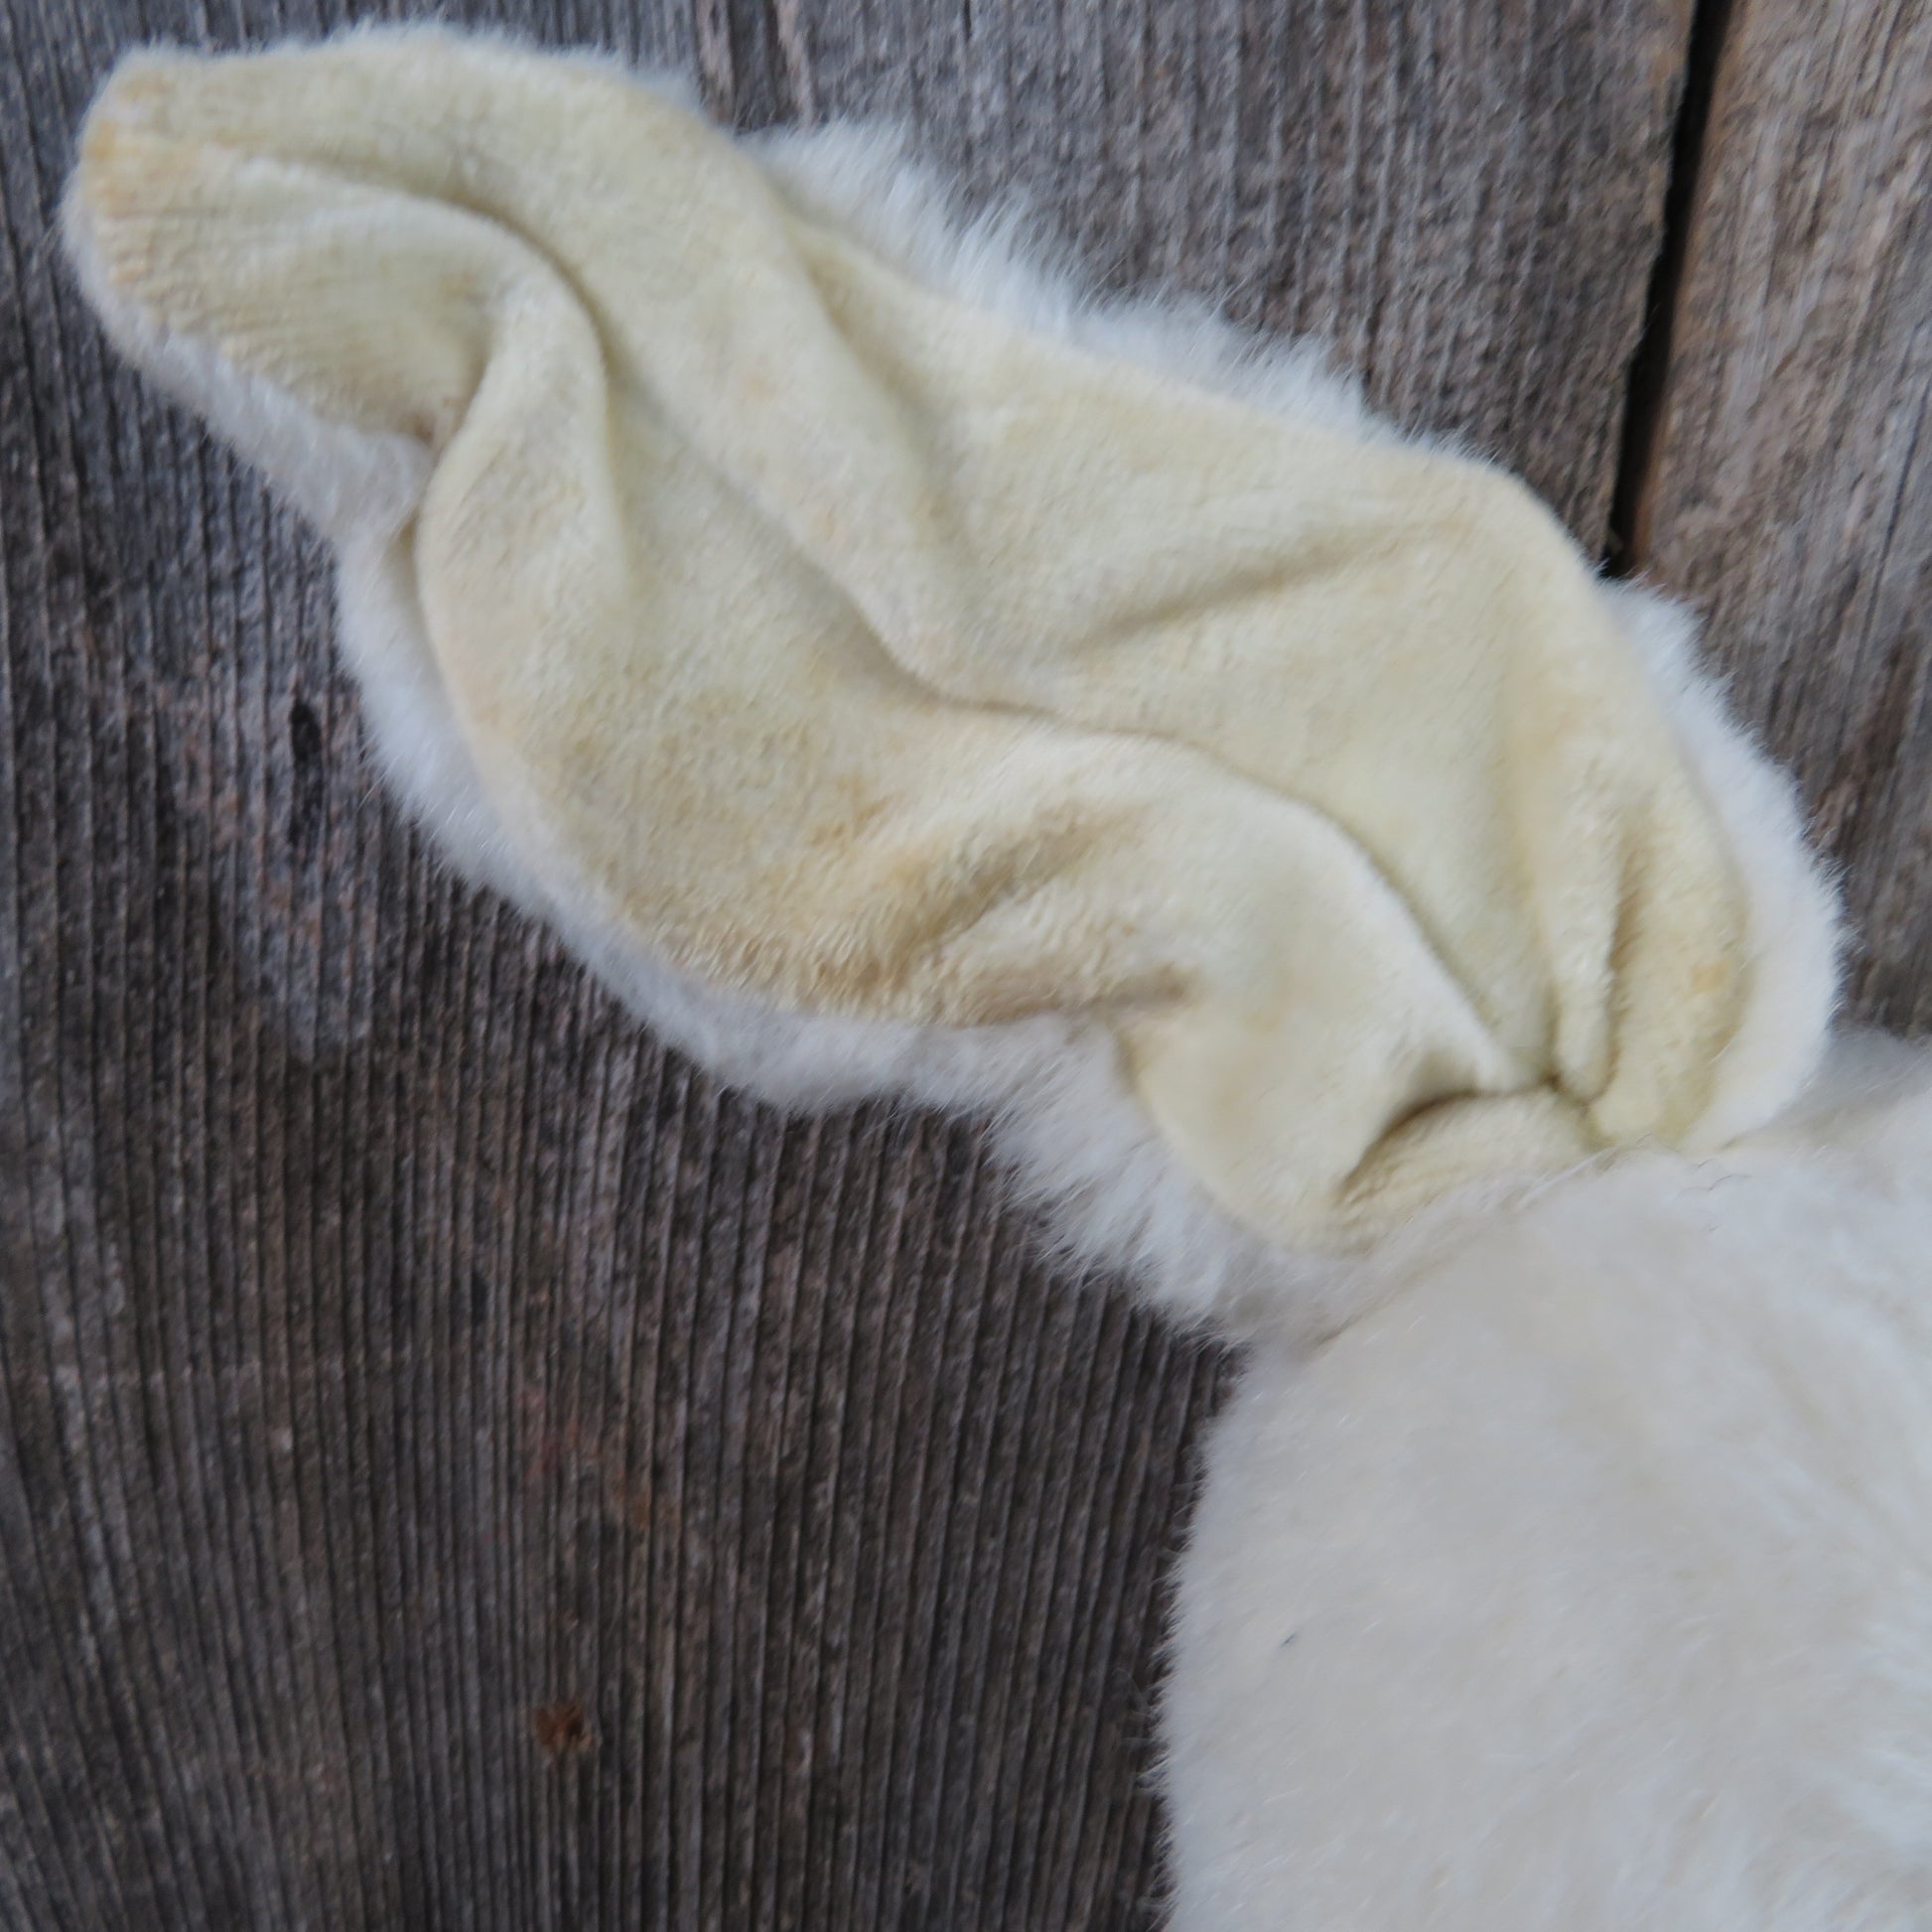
[1789, 492]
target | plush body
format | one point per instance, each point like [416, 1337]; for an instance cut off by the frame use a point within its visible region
[893, 674]
[1584, 1581]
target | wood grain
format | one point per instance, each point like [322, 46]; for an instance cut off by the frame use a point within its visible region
[457, 1467]
[1789, 492]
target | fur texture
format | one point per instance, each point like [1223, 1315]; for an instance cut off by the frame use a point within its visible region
[1074, 1108]
[1587, 1581]
[1562, 1559]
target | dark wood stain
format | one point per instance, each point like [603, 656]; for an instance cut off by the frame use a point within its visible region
[561, 1729]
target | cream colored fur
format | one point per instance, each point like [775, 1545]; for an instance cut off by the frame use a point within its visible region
[986, 672]
[1562, 1555]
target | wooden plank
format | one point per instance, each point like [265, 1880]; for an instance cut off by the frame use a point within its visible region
[1789, 492]
[457, 1465]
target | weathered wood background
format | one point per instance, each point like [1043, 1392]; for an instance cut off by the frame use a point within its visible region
[457, 1467]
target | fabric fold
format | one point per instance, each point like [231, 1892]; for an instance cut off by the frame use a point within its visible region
[846, 645]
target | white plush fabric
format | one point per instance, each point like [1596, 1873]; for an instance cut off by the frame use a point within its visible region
[893, 672]
[1586, 1583]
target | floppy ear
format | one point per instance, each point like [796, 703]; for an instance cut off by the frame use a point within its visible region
[844, 648]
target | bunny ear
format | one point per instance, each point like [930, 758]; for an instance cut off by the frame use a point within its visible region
[843, 645]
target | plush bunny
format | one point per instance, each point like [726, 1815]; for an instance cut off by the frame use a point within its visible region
[893, 674]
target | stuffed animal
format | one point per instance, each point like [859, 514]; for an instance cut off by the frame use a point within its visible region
[893, 672]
